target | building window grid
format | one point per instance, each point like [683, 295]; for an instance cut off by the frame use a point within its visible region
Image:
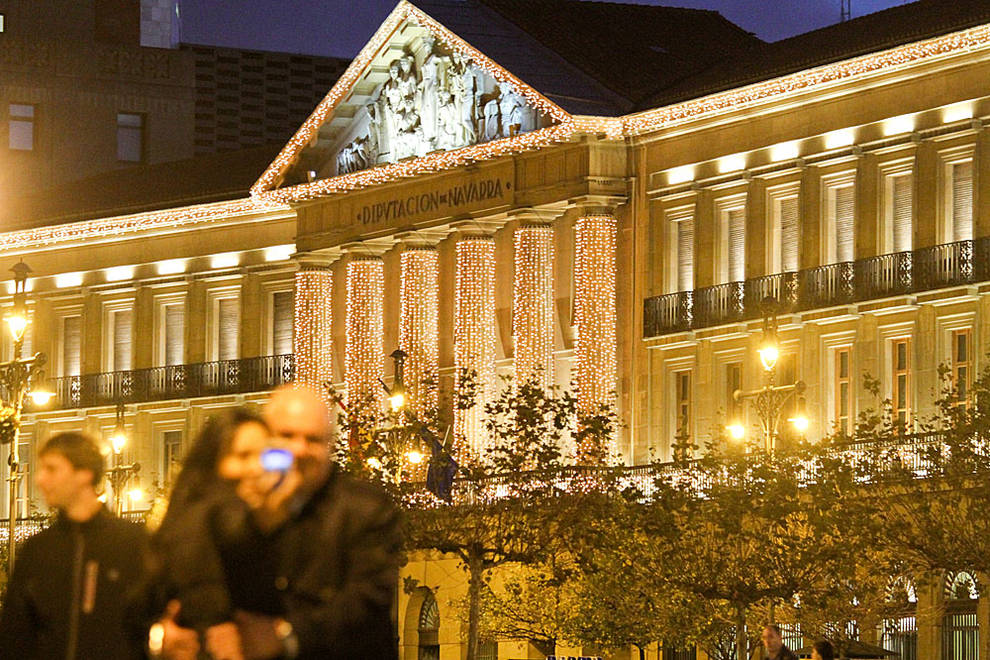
[901, 380]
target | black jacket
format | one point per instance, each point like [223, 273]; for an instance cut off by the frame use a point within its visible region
[337, 571]
[66, 596]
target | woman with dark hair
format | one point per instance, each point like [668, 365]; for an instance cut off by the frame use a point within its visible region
[188, 575]
[823, 650]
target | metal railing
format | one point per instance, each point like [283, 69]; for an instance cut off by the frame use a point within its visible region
[899, 273]
[181, 381]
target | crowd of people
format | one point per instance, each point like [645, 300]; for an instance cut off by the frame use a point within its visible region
[266, 550]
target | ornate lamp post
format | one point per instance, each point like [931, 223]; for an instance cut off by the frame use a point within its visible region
[119, 474]
[396, 438]
[16, 379]
[769, 400]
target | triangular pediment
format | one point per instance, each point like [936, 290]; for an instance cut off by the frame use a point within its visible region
[416, 94]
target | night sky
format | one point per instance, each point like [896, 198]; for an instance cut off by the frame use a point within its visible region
[341, 27]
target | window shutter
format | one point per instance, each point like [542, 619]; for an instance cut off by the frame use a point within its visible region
[282, 321]
[788, 209]
[962, 201]
[845, 211]
[685, 254]
[122, 324]
[737, 245]
[901, 207]
[71, 345]
[228, 326]
[175, 341]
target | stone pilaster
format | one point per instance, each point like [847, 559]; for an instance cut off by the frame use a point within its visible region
[532, 302]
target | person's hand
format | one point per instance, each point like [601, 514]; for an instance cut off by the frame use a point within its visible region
[258, 635]
[177, 643]
[268, 494]
[223, 642]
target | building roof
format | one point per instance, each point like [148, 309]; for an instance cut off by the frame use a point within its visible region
[860, 36]
[200, 180]
[576, 52]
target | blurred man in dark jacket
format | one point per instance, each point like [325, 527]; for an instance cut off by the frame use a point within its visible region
[66, 596]
[335, 549]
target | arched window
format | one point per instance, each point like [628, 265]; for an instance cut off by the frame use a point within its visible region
[960, 628]
[429, 628]
[899, 631]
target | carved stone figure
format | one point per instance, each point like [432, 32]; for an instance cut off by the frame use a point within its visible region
[511, 106]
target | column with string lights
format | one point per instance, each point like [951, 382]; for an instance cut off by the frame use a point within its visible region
[594, 314]
[418, 312]
[474, 336]
[532, 303]
[312, 325]
[364, 355]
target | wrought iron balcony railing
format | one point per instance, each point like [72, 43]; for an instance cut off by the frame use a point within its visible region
[181, 381]
[900, 273]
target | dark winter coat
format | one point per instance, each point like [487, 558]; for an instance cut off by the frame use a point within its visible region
[66, 596]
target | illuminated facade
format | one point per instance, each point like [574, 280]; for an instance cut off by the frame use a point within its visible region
[624, 252]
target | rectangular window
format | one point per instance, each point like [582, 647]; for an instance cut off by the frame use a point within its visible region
[840, 218]
[784, 258]
[130, 137]
[960, 206]
[685, 254]
[734, 245]
[171, 454]
[228, 315]
[21, 127]
[3, 24]
[122, 326]
[71, 345]
[901, 380]
[733, 382]
[682, 384]
[174, 329]
[282, 322]
[899, 196]
[961, 367]
[843, 391]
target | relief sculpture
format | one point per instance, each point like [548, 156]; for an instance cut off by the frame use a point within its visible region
[445, 103]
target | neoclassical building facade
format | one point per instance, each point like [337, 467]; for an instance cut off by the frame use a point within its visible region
[509, 211]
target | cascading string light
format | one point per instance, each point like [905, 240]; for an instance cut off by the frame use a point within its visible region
[594, 315]
[474, 336]
[418, 335]
[364, 355]
[532, 304]
[312, 326]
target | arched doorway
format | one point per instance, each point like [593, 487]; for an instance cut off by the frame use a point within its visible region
[429, 628]
[960, 628]
[899, 631]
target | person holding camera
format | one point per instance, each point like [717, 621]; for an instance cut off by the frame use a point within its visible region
[334, 543]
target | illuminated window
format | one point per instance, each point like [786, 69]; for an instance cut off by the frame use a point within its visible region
[71, 341]
[121, 326]
[784, 236]
[901, 380]
[843, 391]
[682, 385]
[130, 137]
[897, 213]
[3, 24]
[961, 367]
[171, 444]
[282, 311]
[959, 202]
[732, 245]
[840, 216]
[21, 127]
[680, 250]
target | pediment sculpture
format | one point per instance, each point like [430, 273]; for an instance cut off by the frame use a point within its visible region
[437, 102]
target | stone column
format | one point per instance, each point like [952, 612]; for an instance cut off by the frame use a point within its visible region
[312, 338]
[532, 303]
[474, 335]
[364, 359]
[418, 337]
[594, 313]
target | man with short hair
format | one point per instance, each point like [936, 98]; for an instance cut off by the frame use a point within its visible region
[773, 642]
[336, 546]
[67, 594]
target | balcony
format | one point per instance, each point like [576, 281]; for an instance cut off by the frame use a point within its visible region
[900, 273]
[182, 381]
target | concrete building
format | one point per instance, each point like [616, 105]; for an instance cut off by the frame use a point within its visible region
[491, 189]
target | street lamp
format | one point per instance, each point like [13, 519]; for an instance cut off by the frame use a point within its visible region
[769, 400]
[119, 474]
[397, 394]
[16, 379]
